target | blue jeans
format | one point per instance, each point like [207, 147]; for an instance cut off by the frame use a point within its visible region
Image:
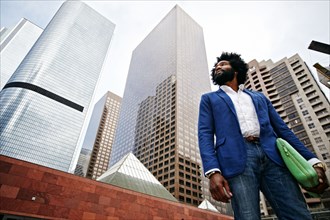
[277, 184]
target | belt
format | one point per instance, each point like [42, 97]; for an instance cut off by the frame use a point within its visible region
[251, 139]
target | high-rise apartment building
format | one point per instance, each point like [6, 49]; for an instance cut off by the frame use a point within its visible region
[298, 99]
[45, 102]
[15, 43]
[158, 120]
[101, 132]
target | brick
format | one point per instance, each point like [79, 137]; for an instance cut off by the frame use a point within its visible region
[85, 206]
[42, 197]
[89, 216]
[103, 200]
[46, 210]
[61, 212]
[141, 200]
[92, 197]
[26, 194]
[49, 178]
[75, 214]
[71, 203]
[10, 204]
[38, 186]
[112, 218]
[8, 191]
[5, 166]
[18, 170]
[88, 188]
[102, 190]
[53, 189]
[56, 200]
[29, 207]
[35, 174]
[67, 182]
[12, 180]
[68, 192]
[109, 211]
[100, 217]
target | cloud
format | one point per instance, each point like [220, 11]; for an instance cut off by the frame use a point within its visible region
[258, 30]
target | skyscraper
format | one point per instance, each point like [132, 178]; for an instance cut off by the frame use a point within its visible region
[15, 43]
[44, 103]
[298, 99]
[101, 132]
[82, 164]
[158, 120]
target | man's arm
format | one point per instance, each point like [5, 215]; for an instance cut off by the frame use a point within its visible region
[206, 130]
[219, 187]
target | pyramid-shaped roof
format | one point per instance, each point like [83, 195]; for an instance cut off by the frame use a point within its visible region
[131, 174]
[207, 205]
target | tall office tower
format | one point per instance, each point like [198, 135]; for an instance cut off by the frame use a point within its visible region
[158, 119]
[101, 132]
[298, 99]
[15, 43]
[44, 103]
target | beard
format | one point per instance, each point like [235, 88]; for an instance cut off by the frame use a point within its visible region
[224, 77]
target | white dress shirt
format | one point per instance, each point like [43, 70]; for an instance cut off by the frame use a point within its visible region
[245, 110]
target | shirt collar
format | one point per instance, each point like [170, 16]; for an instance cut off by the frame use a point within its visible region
[228, 89]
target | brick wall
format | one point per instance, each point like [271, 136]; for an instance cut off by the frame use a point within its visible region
[31, 190]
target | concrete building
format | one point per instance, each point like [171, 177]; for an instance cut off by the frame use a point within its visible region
[100, 134]
[298, 99]
[45, 102]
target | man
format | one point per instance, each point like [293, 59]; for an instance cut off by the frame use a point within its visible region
[244, 158]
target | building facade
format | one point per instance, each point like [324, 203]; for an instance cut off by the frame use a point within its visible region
[15, 43]
[100, 134]
[298, 99]
[83, 161]
[158, 120]
[45, 102]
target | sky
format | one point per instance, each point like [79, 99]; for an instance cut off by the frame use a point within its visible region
[258, 30]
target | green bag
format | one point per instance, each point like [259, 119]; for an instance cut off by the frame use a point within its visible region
[304, 172]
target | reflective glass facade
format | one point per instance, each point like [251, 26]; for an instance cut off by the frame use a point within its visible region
[14, 46]
[44, 103]
[158, 119]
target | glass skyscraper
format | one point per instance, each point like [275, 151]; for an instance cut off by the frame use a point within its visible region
[158, 120]
[15, 43]
[44, 103]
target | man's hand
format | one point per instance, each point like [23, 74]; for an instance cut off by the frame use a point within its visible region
[219, 188]
[323, 182]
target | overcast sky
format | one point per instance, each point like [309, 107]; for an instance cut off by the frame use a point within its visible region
[258, 30]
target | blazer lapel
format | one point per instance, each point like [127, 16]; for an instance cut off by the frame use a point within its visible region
[227, 100]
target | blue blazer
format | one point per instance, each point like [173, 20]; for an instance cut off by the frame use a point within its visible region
[227, 152]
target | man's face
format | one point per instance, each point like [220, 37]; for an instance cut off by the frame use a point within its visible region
[223, 72]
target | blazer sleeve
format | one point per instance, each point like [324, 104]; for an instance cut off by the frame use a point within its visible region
[206, 131]
[283, 131]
